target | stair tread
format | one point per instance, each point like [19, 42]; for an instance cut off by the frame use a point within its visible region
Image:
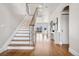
[23, 29]
[20, 45]
[22, 36]
[21, 50]
[22, 33]
[20, 40]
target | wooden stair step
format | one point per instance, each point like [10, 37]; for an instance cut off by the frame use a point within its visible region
[20, 45]
[20, 40]
[23, 32]
[23, 29]
[22, 36]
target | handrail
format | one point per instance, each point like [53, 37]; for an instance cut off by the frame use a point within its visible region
[31, 26]
[32, 23]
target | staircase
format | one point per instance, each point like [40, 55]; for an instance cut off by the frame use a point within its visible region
[24, 38]
[21, 39]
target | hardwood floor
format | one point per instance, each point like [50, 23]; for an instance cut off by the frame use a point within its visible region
[43, 47]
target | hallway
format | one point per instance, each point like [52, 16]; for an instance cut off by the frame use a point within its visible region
[44, 47]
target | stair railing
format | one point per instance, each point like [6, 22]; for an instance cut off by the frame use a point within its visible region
[32, 29]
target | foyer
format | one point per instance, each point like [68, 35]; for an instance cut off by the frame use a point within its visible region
[39, 29]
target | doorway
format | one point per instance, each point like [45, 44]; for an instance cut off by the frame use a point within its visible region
[42, 31]
[65, 26]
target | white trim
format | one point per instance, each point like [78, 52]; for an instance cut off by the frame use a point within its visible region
[60, 43]
[2, 49]
[22, 34]
[10, 38]
[22, 29]
[73, 52]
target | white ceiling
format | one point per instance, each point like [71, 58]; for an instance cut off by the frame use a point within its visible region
[50, 7]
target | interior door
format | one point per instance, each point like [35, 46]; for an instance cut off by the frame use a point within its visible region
[65, 29]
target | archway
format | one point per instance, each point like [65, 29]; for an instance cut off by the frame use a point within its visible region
[65, 26]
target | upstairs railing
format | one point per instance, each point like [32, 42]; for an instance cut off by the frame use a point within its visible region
[31, 26]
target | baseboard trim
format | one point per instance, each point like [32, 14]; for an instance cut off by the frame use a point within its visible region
[2, 50]
[73, 52]
[60, 43]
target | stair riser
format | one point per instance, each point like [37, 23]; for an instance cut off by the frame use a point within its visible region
[23, 26]
[22, 34]
[21, 39]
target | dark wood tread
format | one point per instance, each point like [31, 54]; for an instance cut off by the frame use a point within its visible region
[23, 30]
[20, 45]
[29, 50]
[20, 40]
[21, 36]
[22, 33]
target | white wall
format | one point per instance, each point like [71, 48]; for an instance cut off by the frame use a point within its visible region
[74, 28]
[10, 16]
